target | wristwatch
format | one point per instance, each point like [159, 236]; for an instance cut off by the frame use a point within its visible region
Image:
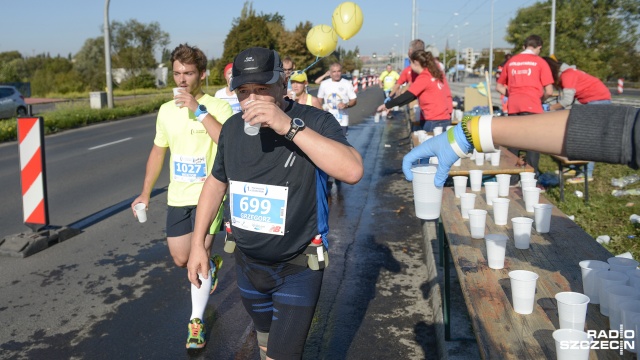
[296, 125]
[201, 112]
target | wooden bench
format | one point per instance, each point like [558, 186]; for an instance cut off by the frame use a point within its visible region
[562, 163]
[500, 332]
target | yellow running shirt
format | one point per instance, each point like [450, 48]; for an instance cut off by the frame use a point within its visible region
[192, 149]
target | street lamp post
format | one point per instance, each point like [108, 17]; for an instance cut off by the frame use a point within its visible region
[107, 55]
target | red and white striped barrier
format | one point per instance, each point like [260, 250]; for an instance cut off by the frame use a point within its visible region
[620, 86]
[355, 84]
[364, 84]
[32, 171]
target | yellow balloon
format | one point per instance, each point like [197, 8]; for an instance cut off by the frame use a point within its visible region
[322, 40]
[347, 19]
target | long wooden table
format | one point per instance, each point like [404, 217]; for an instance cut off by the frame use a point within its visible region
[500, 332]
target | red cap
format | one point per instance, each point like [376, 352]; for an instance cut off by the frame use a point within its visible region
[317, 240]
[226, 68]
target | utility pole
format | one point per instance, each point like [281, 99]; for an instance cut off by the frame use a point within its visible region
[107, 55]
[552, 40]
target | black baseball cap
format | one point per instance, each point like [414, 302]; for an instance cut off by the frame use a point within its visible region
[255, 65]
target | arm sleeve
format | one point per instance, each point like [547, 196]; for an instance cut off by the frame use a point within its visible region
[605, 133]
[566, 100]
[403, 99]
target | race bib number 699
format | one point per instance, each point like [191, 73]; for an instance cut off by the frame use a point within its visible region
[258, 207]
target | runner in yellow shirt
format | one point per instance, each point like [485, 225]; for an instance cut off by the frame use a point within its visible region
[189, 126]
[388, 79]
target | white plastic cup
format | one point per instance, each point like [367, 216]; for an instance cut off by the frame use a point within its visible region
[618, 294]
[572, 310]
[630, 315]
[531, 197]
[589, 269]
[427, 197]
[620, 264]
[542, 216]
[251, 130]
[572, 344]
[376, 117]
[522, 232]
[437, 130]
[634, 279]
[467, 202]
[460, 185]
[479, 159]
[504, 180]
[604, 281]
[477, 222]
[490, 192]
[496, 249]
[525, 183]
[176, 92]
[500, 211]
[525, 175]
[487, 157]
[495, 158]
[523, 290]
[475, 179]
[141, 212]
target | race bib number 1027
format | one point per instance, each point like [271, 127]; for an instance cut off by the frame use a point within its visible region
[258, 207]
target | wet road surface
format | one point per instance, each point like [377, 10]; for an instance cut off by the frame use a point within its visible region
[113, 291]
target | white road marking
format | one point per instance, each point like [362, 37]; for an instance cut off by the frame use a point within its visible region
[111, 143]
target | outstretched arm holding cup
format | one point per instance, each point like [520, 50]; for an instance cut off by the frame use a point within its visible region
[579, 133]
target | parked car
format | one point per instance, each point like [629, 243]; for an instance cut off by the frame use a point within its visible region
[11, 102]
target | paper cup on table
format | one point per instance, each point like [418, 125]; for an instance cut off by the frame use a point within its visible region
[496, 248]
[523, 290]
[542, 216]
[176, 92]
[467, 202]
[522, 232]
[504, 180]
[437, 130]
[634, 278]
[460, 185]
[604, 281]
[525, 175]
[495, 158]
[479, 159]
[490, 192]
[500, 211]
[477, 222]
[427, 197]
[589, 270]
[525, 183]
[531, 197]
[475, 178]
[618, 294]
[621, 264]
[572, 310]
[630, 316]
[141, 212]
[571, 344]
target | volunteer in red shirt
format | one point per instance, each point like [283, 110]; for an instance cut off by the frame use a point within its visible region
[431, 90]
[527, 80]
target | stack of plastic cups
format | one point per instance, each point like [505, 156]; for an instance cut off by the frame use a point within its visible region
[617, 295]
[590, 269]
[630, 316]
[604, 281]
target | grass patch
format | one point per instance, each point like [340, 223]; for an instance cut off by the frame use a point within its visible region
[605, 214]
[74, 115]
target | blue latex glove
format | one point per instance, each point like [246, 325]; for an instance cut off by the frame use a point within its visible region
[437, 146]
[387, 100]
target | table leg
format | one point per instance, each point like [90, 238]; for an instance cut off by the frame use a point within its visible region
[561, 177]
[440, 234]
[586, 184]
[446, 306]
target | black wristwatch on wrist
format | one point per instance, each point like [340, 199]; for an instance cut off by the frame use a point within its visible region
[296, 125]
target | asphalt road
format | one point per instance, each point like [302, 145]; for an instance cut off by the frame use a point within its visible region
[113, 292]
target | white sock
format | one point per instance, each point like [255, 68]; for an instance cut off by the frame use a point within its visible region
[200, 297]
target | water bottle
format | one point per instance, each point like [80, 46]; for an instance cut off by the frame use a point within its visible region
[229, 241]
[624, 181]
[634, 218]
[618, 193]
[317, 256]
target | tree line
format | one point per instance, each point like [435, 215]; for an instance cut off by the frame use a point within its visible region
[599, 36]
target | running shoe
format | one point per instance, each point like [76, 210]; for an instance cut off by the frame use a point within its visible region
[566, 172]
[197, 332]
[216, 260]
